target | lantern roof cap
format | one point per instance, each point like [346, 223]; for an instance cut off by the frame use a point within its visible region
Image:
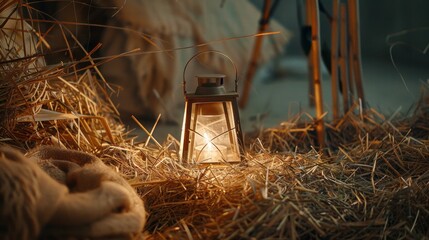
[211, 75]
[212, 79]
[210, 84]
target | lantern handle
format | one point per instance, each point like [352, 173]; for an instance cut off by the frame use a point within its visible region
[210, 51]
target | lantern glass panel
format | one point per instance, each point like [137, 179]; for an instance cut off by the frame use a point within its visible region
[212, 133]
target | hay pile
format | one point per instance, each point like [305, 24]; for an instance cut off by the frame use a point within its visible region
[373, 181]
[372, 184]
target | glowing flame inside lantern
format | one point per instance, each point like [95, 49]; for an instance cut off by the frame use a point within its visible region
[208, 142]
[210, 150]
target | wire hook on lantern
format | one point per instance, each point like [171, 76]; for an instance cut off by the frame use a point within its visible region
[205, 52]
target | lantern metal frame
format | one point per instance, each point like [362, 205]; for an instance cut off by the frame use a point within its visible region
[233, 128]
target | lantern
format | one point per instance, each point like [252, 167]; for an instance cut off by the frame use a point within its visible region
[211, 130]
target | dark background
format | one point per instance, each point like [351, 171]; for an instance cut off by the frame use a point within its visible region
[379, 18]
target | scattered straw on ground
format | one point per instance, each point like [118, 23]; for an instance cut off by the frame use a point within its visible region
[372, 181]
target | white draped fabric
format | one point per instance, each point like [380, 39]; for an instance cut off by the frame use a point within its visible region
[152, 82]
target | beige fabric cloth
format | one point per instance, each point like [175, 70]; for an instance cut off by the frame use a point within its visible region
[28, 196]
[83, 198]
[173, 24]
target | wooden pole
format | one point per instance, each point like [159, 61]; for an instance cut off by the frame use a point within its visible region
[343, 58]
[350, 60]
[255, 55]
[314, 57]
[355, 56]
[334, 57]
[311, 100]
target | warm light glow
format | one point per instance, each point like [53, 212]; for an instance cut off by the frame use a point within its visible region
[211, 130]
[212, 136]
[211, 139]
[209, 152]
[208, 142]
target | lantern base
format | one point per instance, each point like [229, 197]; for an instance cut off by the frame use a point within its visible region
[212, 155]
[216, 165]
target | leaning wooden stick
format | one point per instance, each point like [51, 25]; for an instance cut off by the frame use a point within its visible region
[314, 57]
[334, 57]
[311, 101]
[255, 55]
[343, 58]
[354, 48]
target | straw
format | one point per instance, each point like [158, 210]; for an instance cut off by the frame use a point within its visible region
[371, 181]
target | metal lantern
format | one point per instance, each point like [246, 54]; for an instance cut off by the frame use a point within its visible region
[211, 130]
